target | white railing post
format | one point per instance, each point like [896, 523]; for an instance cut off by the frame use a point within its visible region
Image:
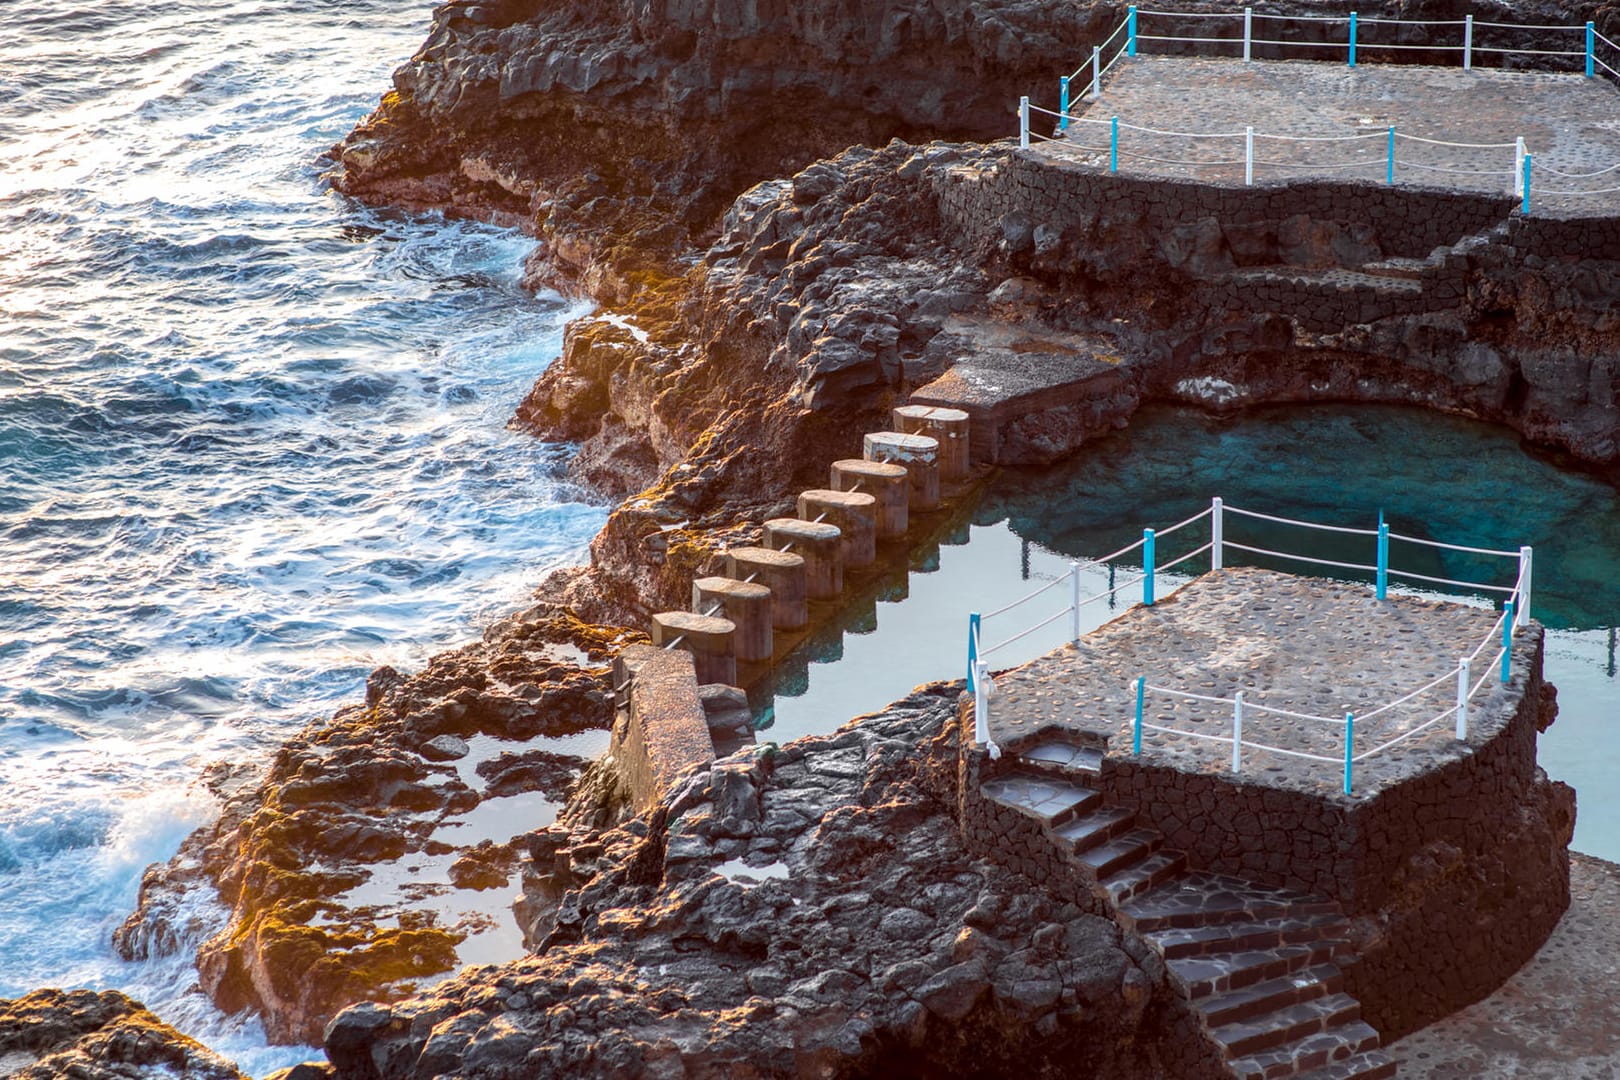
[1468, 43]
[1248, 156]
[1525, 567]
[1237, 732]
[1096, 71]
[1462, 699]
[1217, 534]
[1518, 167]
[1023, 123]
[981, 705]
[1074, 602]
[1248, 32]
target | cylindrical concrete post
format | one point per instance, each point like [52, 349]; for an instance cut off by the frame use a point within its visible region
[820, 545]
[853, 512]
[747, 605]
[920, 456]
[707, 637]
[890, 485]
[949, 427]
[783, 573]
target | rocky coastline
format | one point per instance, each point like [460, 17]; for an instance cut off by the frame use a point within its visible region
[789, 219]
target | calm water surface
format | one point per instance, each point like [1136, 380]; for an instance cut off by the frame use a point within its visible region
[1432, 476]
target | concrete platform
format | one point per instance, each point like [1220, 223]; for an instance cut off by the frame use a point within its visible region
[1569, 123]
[1558, 1018]
[1302, 644]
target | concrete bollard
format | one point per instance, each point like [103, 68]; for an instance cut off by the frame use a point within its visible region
[948, 426]
[782, 572]
[853, 512]
[822, 548]
[747, 605]
[919, 454]
[889, 484]
[707, 637]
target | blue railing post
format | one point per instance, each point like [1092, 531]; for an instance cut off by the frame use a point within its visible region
[1507, 642]
[1352, 39]
[1524, 207]
[1591, 47]
[1130, 30]
[1349, 748]
[1136, 737]
[1389, 160]
[1063, 103]
[973, 647]
[1113, 145]
[1147, 567]
[1383, 557]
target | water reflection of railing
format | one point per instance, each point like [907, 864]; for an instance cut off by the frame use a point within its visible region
[1515, 612]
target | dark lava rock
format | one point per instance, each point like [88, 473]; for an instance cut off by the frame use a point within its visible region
[50, 1034]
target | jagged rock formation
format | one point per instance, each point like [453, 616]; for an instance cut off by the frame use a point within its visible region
[86, 1035]
[803, 912]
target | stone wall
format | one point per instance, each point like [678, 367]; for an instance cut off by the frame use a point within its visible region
[1454, 877]
[662, 732]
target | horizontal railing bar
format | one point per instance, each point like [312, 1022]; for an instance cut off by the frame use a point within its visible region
[1534, 52]
[1364, 20]
[1488, 675]
[1003, 610]
[1191, 14]
[1456, 547]
[1301, 558]
[1460, 145]
[1123, 585]
[1425, 688]
[1199, 40]
[1454, 172]
[1491, 635]
[1595, 191]
[1360, 45]
[1301, 18]
[1186, 694]
[1291, 753]
[1162, 533]
[1190, 734]
[1574, 176]
[1452, 581]
[1403, 737]
[1190, 555]
[1178, 161]
[1320, 165]
[1306, 44]
[1525, 26]
[1321, 138]
[1025, 633]
[1302, 524]
[1337, 721]
[1185, 134]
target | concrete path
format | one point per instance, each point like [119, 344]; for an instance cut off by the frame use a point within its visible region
[1570, 125]
[1558, 1018]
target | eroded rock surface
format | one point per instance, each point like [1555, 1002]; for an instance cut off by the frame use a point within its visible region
[50, 1034]
[807, 911]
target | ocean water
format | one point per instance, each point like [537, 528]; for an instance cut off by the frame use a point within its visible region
[1433, 476]
[252, 440]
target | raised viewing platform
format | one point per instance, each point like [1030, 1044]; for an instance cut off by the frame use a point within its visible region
[1252, 108]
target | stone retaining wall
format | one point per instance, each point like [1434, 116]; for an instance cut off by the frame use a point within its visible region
[662, 732]
[1454, 877]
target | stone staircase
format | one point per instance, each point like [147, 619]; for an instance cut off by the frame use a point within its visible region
[1257, 965]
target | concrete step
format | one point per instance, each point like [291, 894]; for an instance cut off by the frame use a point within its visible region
[1270, 994]
[1369, 1065]
[1049, 801]
[1246, 935]
[1054, 755]
[1288, 1025]
[1121, 851]
[1139, 877]
[1311, 1054]
[1200, 899]
[1203, 976]
[1097, 827]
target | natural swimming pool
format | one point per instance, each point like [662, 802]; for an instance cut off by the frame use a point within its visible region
[1432, 476]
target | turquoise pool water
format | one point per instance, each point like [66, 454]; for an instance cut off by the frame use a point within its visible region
[1431, 476]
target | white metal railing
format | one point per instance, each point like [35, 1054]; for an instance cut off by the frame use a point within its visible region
[1126, 40]
[1515, 612]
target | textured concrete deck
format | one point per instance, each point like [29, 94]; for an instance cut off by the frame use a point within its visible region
[1302, 644]
[1569, 123]
[1558, 1018]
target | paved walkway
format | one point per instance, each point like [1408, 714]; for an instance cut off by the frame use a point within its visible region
[1558, 1018]
[1569, 123]
[1303, 644]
